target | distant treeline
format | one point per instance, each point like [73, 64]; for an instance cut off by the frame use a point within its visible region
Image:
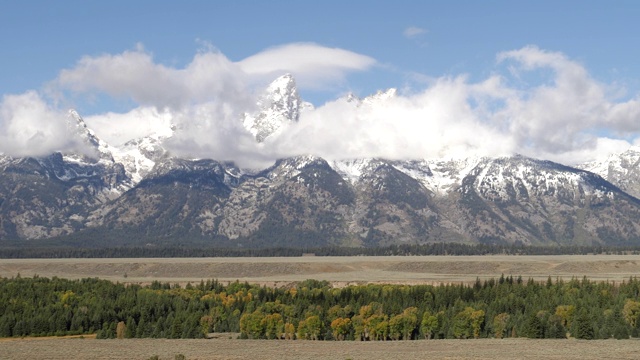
[313, 310]
[154, 251]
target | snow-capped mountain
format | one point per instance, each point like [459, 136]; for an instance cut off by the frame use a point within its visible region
[278, 106]
[622, 170]
[532, 201]
[140, 193]
[137, 156]
[88, 142]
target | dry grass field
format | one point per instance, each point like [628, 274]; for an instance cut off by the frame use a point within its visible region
[340, 271]
[272, 349]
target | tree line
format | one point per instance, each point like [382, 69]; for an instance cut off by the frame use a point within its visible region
[313, 310]
[14, 251]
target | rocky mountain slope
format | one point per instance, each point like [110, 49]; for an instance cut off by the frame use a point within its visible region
[140, 193]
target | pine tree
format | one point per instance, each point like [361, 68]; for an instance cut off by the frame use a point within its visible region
[535, 328]
[583, 328]
[130, 328]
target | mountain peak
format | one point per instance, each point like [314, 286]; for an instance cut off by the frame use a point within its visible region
[381, 96]
[278, 106]
[351, 97]
[91, 145]
[77, 125]
[284, 84]
[622, 169]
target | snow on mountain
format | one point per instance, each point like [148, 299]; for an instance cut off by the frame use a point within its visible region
[278, 106]
[380, 96]
[288, 168]
[622, 170]
[439, 176]
[139, 186]
[518, 176]
[370, 101]
[493, 175]
[353, 170]
[92, 146]
[139, 156]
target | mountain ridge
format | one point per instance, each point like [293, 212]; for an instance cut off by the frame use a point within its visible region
[141, 193]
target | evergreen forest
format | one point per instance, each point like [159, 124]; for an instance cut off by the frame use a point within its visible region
[313, 310]
[34, 249]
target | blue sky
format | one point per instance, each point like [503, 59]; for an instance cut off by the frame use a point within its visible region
[407, 45]
[40, 38]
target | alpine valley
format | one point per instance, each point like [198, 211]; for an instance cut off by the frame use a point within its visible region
[140, 193]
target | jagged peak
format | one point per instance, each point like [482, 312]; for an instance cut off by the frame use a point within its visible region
[282, 94]
[74, 114]
[278, 105]
[75, 121]
[284, 82]
[351, 97]
[78, 127]
[381, 95]
[90, 145]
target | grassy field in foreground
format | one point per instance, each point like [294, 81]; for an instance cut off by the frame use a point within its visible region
[266, 350]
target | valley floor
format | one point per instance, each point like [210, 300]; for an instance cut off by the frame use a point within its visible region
[340, 271]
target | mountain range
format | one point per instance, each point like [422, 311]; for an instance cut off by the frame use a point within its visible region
[140, 193]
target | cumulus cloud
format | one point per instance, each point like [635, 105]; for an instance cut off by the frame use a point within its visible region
[211, 130]
[30, 127]
[210, 75]
[536, 102]
[413, 31]
[437, 122]
[206, 98]
[135, 75]
[559, 117]
[118, 128]
[623, 118]
[566, 115]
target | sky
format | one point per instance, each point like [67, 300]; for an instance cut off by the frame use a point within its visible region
[557, 80]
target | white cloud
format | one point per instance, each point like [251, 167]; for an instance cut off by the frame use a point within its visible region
[118, 128]
[561, 116]
[434, 123]
[206, 98]
[210, 75]
[30, 127]
[624, 118]
[134, 74]
[413, 31]
[313, 66]
[537, 103]
[558, 118]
